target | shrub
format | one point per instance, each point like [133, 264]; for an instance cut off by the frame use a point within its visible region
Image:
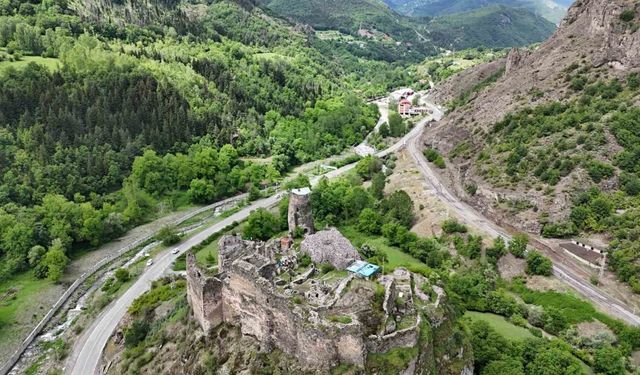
[599, 171]
[344, 319]
[633, 81]
[555, 321]
[559, 230]
[471, 189]
[627, 15]
[518, 245]
[122, 275]
[304, 260]
[169, 235]
[326, 268]
[451, 226]
[538, 264]
[136, 333]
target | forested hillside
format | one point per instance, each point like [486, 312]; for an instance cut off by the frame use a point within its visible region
[553, 11]
[108, 89]
[379, 27]
[492, 26]
[382, 34]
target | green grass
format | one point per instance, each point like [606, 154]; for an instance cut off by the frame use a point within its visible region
[575, 309]
[344, 319]
[392, 362]
[501, 325]
[51, 63]
[396, 257]
[27, 287]
[202, 254]
[20, 311]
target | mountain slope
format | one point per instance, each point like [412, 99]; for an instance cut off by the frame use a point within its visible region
[551, 146]
[553, 11]
[494, 26]
[369, 19]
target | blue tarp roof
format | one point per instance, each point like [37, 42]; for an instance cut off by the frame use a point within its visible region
[363, 269]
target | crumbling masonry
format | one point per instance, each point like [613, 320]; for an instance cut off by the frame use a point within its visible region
[300, 215]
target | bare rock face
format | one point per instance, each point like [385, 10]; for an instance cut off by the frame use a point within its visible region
[515, 58]
[593, 37]
[330, 246]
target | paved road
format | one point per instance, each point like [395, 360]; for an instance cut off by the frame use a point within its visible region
[87, 350]
[471, 216]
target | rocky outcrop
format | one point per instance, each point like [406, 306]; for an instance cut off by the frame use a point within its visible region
[330, 246]
[515, 58]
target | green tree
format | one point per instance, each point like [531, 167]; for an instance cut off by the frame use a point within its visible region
[518, 245]
[261, 225]
[36, 254]
[398, 206]
[56, 260]
[369, 221]
[384, 130]
[136, 333]
[368, 166]
[201, 191]
[510, 366]
[488, 345]
[555, 321]
[554, 360]
[397, 128]
[538, 264]
[608, 361]
[122, 275]
[169, 235]
[378, 183]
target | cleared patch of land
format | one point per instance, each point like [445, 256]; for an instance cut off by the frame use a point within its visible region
[51, 63]
[501, 325]
[396, 257]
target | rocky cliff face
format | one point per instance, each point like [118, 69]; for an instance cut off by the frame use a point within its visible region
[599, 36]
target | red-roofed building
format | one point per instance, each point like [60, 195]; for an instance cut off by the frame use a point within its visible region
[404, 107]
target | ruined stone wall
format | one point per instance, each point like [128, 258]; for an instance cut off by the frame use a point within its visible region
[241, 296]
[406, 338]
[204, 294]
[272, 319]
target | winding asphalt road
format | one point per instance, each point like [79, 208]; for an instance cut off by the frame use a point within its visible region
[85, 357]
[88, 349]
[471, 216]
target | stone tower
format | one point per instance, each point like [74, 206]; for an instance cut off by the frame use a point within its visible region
[300, 211]
[204, 294]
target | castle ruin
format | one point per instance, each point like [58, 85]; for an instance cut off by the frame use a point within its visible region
[300, 215]
[321, 319]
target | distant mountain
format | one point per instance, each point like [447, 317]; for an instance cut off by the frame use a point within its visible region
[552, 10]
[492, 26]
[495, 26]
[367, 17]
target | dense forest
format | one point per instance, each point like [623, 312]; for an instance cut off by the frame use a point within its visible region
[101, 120]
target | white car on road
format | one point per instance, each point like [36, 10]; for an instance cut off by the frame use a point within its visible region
[174, 251]
[149, 262]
